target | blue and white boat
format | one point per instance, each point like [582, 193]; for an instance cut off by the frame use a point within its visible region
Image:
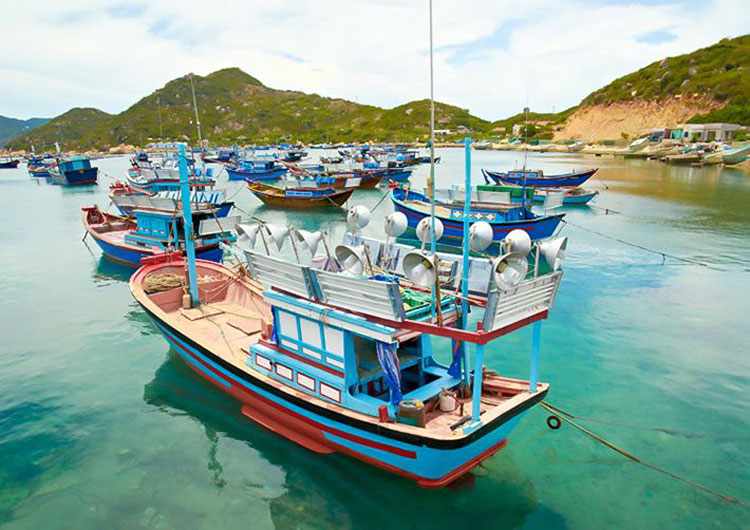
[74, 171]
[256, 168]
[502, 217]
[537, 178]
[345, 362]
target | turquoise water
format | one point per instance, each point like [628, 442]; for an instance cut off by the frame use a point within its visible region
[101, 426]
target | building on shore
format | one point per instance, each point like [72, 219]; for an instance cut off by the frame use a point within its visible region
[709, 132]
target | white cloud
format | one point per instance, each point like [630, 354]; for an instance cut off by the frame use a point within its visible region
[108, 54]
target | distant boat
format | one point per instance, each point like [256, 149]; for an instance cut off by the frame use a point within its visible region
[639, 144]
[299, 198]
[293, 155]
[39, 166]
[728, 156]
[572, 196]
[252, 169]
[154, 232]
[356, 178]
[502, 218]
[536, 178]
[9, 164]
[74, 171]
[161, 179]
[575, 147]
[426, 159]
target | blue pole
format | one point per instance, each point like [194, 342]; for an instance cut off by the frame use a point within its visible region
[536, 337]
[477, 394]
[465, 266]
[187, 216]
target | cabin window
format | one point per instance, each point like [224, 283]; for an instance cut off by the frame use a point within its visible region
[366, 354]
[310, 332]
[284, 371]
[334, 341]
[334, 394]
[306, 381]
[288, 330]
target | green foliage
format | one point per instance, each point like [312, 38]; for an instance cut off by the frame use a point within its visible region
[718, 72]
[11, 128]
[235, 107]
[739, 114]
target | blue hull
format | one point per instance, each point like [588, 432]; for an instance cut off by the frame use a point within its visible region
[398, 175]
[249, 176]
[80, 177]
[537, 228]
[132, 257]
[430, 463]
[570, 180]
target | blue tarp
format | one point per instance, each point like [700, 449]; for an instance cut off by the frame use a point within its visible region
[389, 363]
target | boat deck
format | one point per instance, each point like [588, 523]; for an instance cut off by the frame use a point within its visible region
[233, 316]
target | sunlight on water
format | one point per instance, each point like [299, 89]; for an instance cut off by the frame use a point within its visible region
[102, 427]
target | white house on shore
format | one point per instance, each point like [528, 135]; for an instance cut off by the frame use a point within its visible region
[708, 132]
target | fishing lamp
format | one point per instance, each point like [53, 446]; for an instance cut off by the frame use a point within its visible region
[480, 236]
[352, 259]
[248, 234]
[309, 240]
[419, 268]
[424, 228]
[554, 251]
[278, 234]
[358, 217]
[518, 242]
[395, 224]
[509, 270]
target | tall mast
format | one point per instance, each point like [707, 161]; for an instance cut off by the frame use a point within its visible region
[187, 225]
[431, 180]
[525, 134]
[195, 107]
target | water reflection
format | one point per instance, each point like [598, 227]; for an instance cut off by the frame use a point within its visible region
[334, 490]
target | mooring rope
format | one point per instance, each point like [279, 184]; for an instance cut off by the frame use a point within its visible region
[567, 417]
[664, 255]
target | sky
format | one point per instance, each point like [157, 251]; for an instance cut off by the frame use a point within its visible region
[490, 56]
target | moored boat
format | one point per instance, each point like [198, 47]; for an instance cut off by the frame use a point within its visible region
[571, 196]
[299, 198]
[259, 168]
[9, 163]
[74, 171]
[538, 179]
[503, 218]
[154, 232]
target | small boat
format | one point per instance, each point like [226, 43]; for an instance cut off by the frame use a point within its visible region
[222, 156]
[426, 159]
[502, 217]
[536, 178]
[728, 156]
[39, 166]
[299, 198]
[572, 196]
[575, 147]
[9, 163]
[161, 179]
[683, 158]
[154, 232]
[335, 159]
[127, 200]
[259, 168]
[293, 155]
[74, 171]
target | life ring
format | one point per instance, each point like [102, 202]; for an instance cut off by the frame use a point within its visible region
[553, 422]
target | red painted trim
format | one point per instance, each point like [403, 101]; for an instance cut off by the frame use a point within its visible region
[463, 469]
[300, 418]
[302, 359]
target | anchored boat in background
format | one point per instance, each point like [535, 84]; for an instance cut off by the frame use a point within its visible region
[300, 197]
[73, 171]
[536, 178]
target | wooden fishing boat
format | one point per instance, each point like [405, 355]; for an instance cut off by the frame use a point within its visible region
[38, 166]
[344, 362]
[293, 155]
[538, 179]
[161, 179]
[154, 232]
[9, 164]
[299, 198]
[127, 199]
[502, 217]
[728, 156]
[332, 178]
[571, 197]
[257, 168]
[74, 171]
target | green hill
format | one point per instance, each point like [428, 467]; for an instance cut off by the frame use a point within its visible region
[234, 106]
[719, 73]
[11, 127]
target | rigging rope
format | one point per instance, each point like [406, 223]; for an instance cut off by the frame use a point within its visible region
[663, 255]
[567, 417]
